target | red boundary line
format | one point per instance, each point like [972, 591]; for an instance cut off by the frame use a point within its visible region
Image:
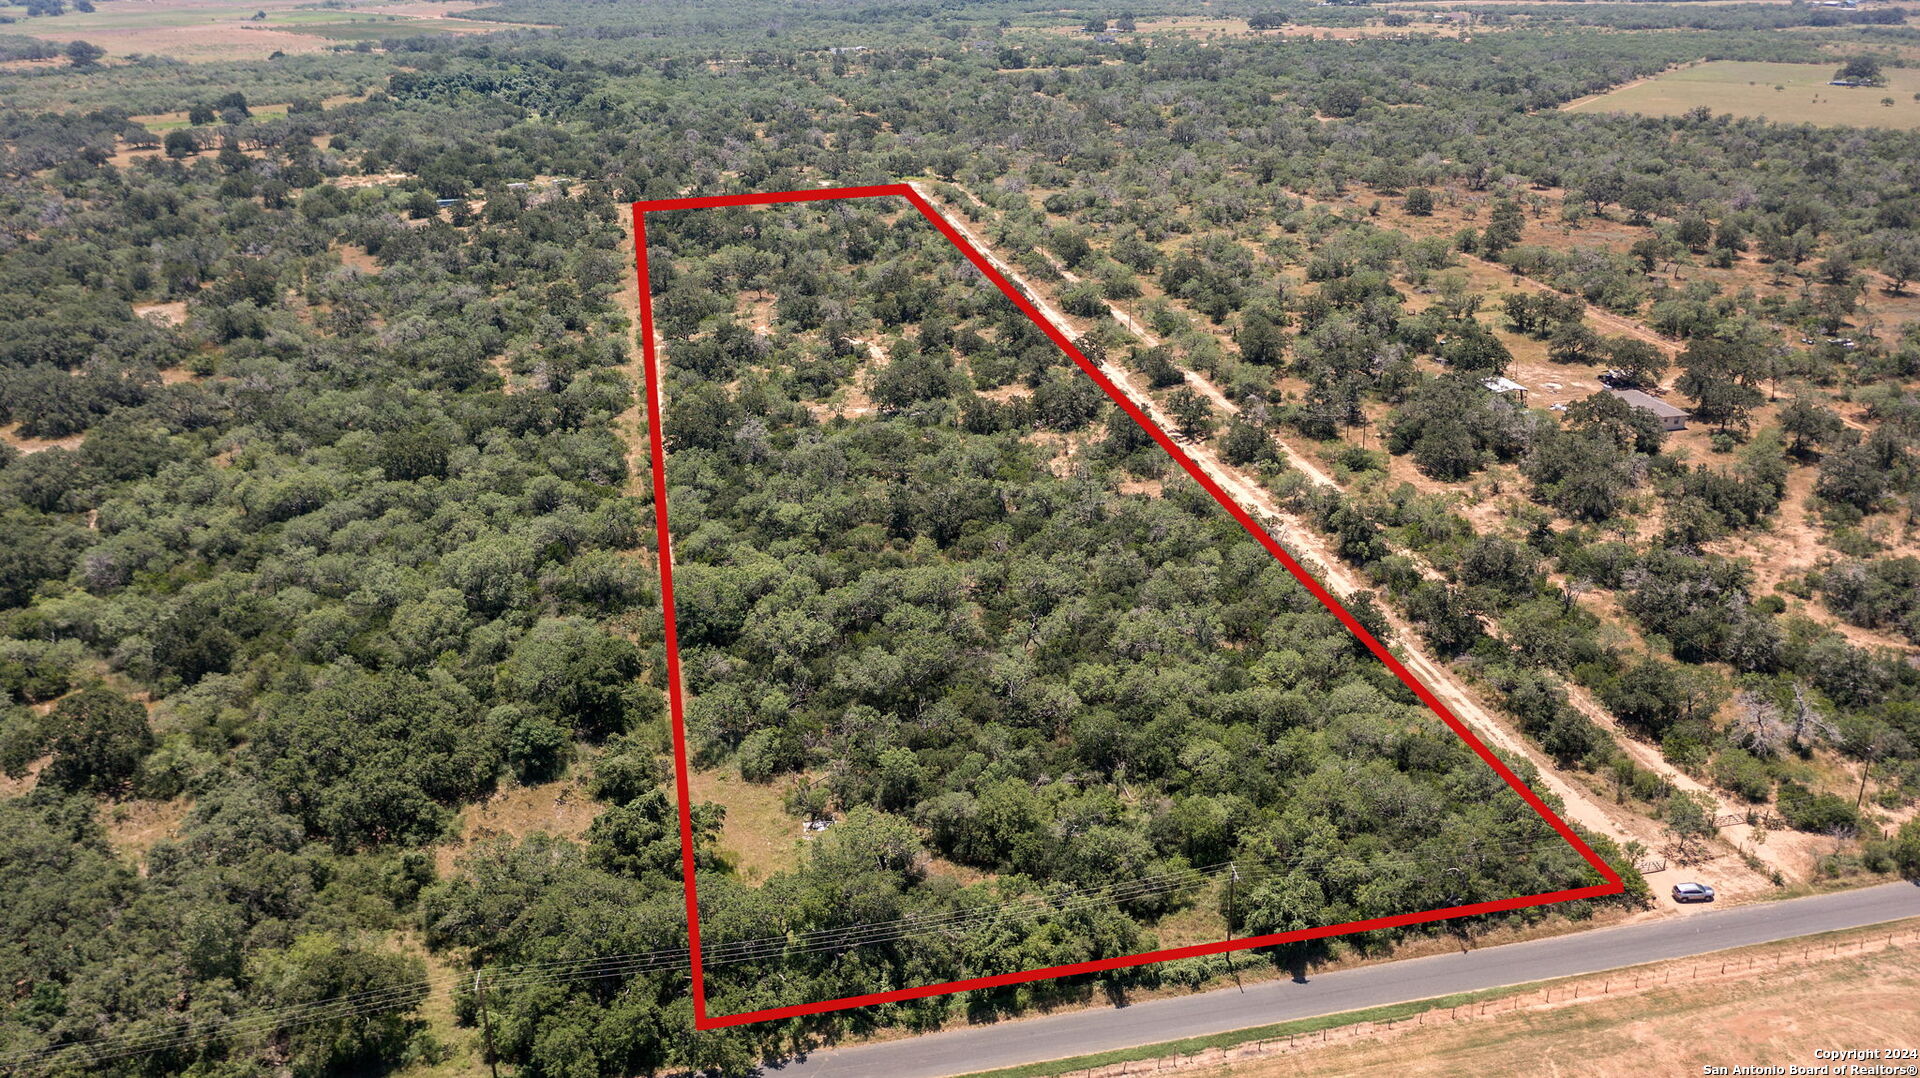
[656, 447]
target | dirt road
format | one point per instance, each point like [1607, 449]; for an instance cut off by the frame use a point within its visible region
[1734, 875]
[1605, 318]
[1308, 546]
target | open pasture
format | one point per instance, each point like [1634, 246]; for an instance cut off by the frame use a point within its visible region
[1786, 93]
[230, 30]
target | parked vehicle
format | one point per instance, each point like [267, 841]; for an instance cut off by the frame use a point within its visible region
[1692, 892]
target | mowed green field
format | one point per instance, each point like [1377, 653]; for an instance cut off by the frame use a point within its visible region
[1787, 93]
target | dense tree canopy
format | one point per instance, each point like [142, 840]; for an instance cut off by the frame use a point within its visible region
[320, 528]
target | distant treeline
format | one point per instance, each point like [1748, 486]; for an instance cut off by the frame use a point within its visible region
[1686, 15]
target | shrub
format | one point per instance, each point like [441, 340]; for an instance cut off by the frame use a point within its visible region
[1821, 813]
[1744, 774]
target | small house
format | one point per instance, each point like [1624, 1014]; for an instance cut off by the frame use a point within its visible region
[1671, 418]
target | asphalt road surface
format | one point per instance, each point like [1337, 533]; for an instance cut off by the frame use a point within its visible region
[1075, 1033]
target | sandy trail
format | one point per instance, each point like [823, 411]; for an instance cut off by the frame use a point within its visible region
[857, 400]
[1608, 319]
[1580, 805]
[632, 423]
[1311, 549]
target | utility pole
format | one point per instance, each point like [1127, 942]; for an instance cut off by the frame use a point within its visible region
[486, 1023]
[1233, 877]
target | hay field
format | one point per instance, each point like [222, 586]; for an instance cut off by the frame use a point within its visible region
[1785, 93]
[209, 30]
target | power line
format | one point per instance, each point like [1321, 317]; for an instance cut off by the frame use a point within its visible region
[563, 971]
[792, 945]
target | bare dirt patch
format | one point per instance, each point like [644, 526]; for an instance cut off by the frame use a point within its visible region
[128, 157]
[14, 787]
[1005, 393]
[375, 179]
[134, 827]
[1061, 447]
[855, 399]
[953, 870]
[11, 435]
[167, 314]
[355, 257]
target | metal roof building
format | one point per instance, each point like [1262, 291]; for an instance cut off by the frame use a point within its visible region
[1671, 418]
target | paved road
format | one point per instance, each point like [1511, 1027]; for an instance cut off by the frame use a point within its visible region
[1079, 1032]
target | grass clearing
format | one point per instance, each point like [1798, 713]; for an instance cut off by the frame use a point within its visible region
[1200, 921]
[1784, 93]
[559, 808]
[133, 827]
[760, 837]
[209, 30]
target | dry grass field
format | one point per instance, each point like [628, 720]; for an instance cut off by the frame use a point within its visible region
[1770, 1005]
[560, 808]
[760, 836]
[227, 30]
[1785, 93]
[1210, 26]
